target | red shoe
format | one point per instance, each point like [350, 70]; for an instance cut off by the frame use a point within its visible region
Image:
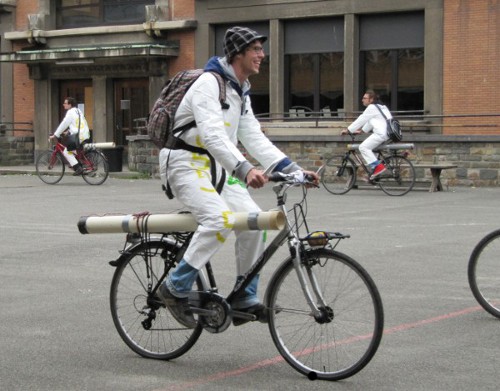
[378, 170]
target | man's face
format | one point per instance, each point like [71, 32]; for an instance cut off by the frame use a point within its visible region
[252, 58]
[366, 100]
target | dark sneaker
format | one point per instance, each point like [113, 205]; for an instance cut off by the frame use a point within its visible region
[378, 170]
[78, 171]
[259, 310]
[178, 307]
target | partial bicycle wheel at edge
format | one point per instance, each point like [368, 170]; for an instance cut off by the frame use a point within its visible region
[145, 325]
[399, 178]
[338, 175]
[50, 167]
[344, 339]
[484, 273]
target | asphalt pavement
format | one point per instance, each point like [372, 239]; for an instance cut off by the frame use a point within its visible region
[57, 332]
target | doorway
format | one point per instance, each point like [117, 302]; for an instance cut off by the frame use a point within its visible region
[131, 105]
[83, 92]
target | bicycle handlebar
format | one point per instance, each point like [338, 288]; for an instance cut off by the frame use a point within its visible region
[296, 177]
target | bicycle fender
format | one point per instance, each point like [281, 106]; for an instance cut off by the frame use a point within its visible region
[134, 245]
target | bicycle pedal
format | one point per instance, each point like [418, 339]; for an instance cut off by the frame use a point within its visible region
[244, 315]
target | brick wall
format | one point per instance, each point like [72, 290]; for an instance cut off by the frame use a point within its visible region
[471, 54]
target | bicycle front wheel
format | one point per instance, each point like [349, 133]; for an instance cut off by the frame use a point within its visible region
[484, 273]
[338, 175]
[144, 324]
[96, 168]
[399, 178]
[50, 167]
[343, 339]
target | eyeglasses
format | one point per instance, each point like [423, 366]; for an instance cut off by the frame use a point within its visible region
[256, 49]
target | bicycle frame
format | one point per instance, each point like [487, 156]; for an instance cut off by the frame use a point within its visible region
[380, 156]
[289, 234]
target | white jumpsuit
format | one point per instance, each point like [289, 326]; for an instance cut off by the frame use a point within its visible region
[189, 175]
[371, 120]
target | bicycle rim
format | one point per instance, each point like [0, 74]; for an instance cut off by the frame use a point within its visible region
[345, 340]
[96, 169]
[165, 338]
[484, 273]
[50, 167]
[338, 175]
[399, 178]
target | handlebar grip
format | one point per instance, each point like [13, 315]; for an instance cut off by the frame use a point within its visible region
[277, 177]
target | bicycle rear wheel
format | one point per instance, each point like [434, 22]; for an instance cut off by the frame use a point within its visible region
[399, 178]
[96, 168]
[50, 167]
[338, 175]
[142, 321]
[345, 338]
[484, 273]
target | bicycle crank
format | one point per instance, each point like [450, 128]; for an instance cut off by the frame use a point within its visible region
[212, 310]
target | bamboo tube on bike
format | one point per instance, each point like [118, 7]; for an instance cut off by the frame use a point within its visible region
[107, 145]
[161, 223]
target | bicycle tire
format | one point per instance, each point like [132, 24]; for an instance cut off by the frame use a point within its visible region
[484, 273]
[49, 167]
[399, 178]
[97, 171]
[166, 339]
[338, 175]
[341, 345]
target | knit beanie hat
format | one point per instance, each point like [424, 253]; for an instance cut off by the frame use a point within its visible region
[238, 38]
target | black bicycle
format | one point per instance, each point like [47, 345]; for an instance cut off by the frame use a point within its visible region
[325, 313]
[484, 273]
[340, 173]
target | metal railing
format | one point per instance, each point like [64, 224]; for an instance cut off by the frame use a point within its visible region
[412, 120]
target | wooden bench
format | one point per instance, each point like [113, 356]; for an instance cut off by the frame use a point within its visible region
[436, 169]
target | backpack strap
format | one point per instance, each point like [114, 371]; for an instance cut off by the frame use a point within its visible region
[173, 140]
[381, 112]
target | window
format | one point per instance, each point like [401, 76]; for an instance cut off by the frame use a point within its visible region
[82, 13]
[314, 67]
[316, 81]
[392, 61]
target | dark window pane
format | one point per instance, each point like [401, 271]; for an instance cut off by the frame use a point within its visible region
[82, 13]
[331, 86]
[259, 92]
[302, 80]
[411, 79]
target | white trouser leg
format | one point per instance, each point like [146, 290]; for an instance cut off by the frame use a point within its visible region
[249, 244]
[70, 157]
[213, 213]
[367, 146]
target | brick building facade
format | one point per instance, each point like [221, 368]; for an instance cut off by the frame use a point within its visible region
[459, 71]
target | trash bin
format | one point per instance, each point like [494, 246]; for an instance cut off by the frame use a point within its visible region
[115, 158]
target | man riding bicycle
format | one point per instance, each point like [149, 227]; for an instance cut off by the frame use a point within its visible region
[371, 120]
[74, 122]
[191, 176]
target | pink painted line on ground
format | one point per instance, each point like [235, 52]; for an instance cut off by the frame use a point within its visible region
[278, 359]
